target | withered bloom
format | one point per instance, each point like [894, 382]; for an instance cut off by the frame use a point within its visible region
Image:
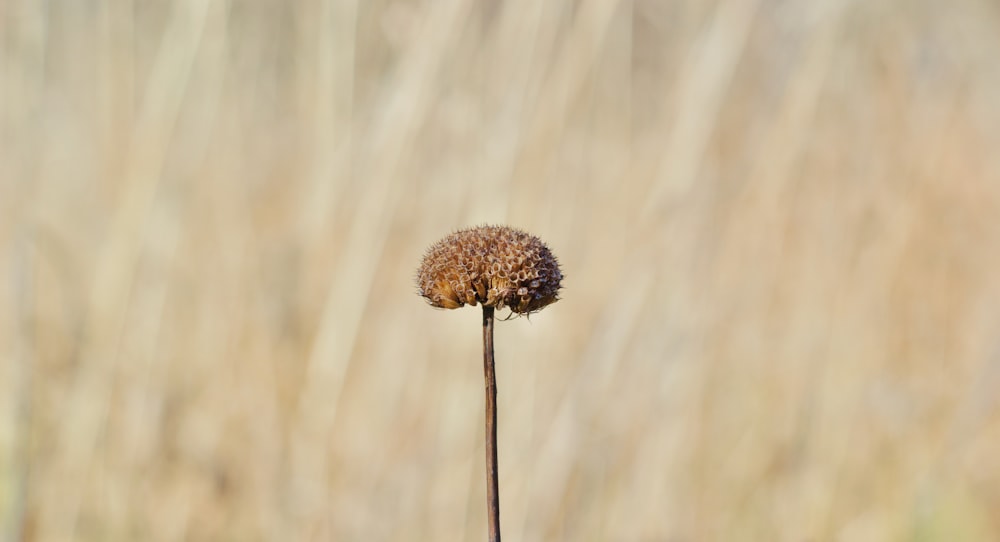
[496, 266]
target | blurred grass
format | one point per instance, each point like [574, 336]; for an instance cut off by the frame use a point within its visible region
[777, 221]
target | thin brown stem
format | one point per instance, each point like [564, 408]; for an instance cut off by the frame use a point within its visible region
[492, 484]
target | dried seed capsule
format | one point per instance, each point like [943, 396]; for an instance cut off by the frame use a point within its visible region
[493, 265]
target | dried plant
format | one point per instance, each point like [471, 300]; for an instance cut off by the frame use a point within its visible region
[495, 266]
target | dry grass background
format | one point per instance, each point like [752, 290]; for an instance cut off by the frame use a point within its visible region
[778, 222]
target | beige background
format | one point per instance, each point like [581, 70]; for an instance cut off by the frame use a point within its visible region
[778, 222]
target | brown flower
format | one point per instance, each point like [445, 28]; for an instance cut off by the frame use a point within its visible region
[493, 265]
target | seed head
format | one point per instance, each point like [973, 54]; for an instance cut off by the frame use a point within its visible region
[493, 265]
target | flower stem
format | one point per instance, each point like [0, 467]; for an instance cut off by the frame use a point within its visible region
[492, 484]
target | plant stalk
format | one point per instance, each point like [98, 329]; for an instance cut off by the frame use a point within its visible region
[492, 484]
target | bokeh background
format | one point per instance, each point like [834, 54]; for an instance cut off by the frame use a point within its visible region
[778, 222]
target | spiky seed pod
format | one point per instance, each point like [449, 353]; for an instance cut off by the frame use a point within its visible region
[497, 266]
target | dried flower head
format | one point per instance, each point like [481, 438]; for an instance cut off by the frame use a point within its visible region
[493, 265]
